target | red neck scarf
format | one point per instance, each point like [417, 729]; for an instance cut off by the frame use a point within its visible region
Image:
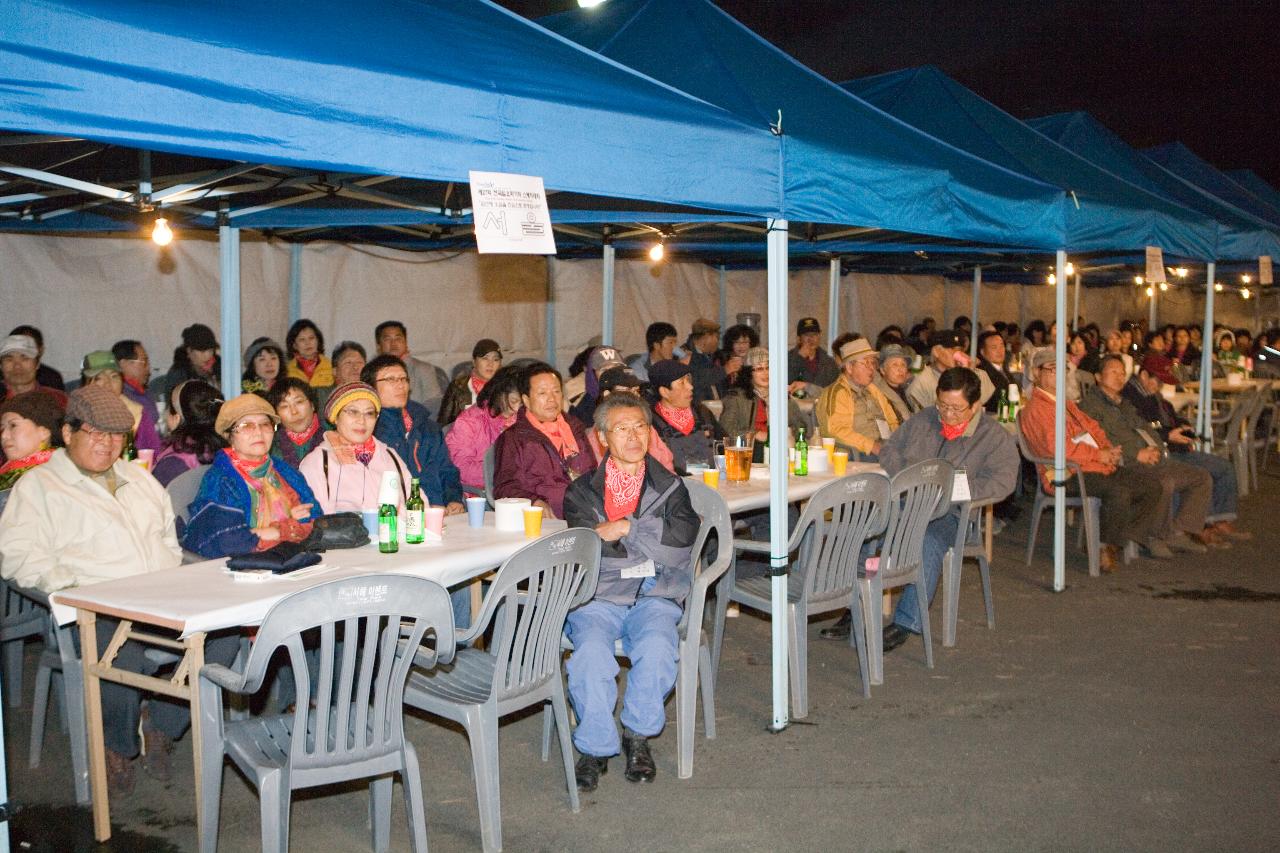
[557, 432]
[301, 438]
[477, 384]
[951, 433]
[681, 419]
[621, 490]
[137, 386]
[762, 414]
[349, 453]
[308, 365]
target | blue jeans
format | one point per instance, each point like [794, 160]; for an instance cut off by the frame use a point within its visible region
[648, 633]
[1223, 506]
[939, 536]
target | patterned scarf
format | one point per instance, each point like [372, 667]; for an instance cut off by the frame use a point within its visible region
[477, 385]
[308, 365]
[621, 490]
[301, 438]
[408, 421]
[271, 499]
[349, 453]
[681, 419]
[558, 433]
[12, 470]
[951, 433]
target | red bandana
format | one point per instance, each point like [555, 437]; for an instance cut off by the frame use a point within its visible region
[621, 490]
[135, 385]
[681, 419]
[301, 438]
[951, 433]
[408, 421]
[477, 384]
[308, 365]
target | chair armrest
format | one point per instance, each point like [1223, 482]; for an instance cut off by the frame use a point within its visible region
[224, 677]
[754, 546]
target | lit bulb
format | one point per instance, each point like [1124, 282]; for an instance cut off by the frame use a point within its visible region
[1139, 280]
[1151, 291]
[1071, 268]
[1180, 272]
[1053, 279]
[587, 4]
[1164, 285]
[162, 234]
[657, 252]
[1217, 287]
[1244, 293]
[1246, 278]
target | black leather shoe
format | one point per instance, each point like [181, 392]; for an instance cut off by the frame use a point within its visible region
[838, 630]
[640, 766]
[588, 771]
[894, 636]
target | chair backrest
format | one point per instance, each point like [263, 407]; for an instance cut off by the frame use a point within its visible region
[182, 491]
[1024, 448]
[490, 456]
[1259, 400]
[21, 616]
[710, 506]
[839, 519]
[532, 595]
[4, 499]
[917, 495]
[357, 712]
[1241, 407]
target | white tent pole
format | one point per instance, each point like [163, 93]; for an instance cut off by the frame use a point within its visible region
[778, 533]
[551, 317]
[295, 282]
[1059, 430]
[975, 327]
[833, 302]
[606, 319]
[1152, 312]
[723, 291]
[229, 307]
[1204, 419]
[1075, 308]
[855, 303]
[4, 781]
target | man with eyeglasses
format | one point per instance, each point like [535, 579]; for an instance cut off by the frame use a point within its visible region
[946, 350]
[647, 525]
[852, 410]
[87, 516]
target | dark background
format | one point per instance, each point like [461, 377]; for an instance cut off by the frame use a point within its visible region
[1201, 73]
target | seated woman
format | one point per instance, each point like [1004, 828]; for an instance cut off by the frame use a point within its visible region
[264, 366]
[246, 502]
[746, 406]
[300, 428]
[464, 391]
[345, 470]
[477, 428]
[101, 368]
[738, 340]
[30, 428]
[193, 411]
[195, 358]
[307, 360]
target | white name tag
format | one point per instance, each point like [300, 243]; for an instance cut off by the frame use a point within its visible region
[642, 570]
[960, 487]
[883, 426]
[1085, 438]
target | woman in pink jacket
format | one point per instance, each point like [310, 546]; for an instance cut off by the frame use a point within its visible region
[478, 427]
[345, 470]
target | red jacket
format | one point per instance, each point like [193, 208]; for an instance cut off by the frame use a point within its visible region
[527, 465]
[1037, 429]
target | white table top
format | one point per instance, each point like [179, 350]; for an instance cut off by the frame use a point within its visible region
[754, 493]
[206, 596]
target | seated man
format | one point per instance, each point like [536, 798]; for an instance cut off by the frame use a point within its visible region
[852, 410]
[544, 450]
[1130, 496]
[647, 523]
[991, 355]
[124, 526]
[660, 343]
[583, 401]
[970, 440]
[946, 350]
[1142, 447]
[20, 369]
[809, 367]
[428, 382]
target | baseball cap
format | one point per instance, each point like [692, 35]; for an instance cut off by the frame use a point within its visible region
[618, 377]
[98, 361]
[703, 326]
[484, 346]
[603, 358]
[23, 344]
[662, 374]
[808, 325]
[947, 339]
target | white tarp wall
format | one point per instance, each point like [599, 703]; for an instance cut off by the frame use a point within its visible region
[87, 292]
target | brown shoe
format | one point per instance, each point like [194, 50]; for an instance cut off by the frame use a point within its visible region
[1108, 559]
[1210, 539]
[1229, 530]
[119, 773]
[157, 748]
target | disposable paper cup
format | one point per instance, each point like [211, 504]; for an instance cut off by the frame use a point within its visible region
[370, 519]
[533, 521]
[145, 458]
[839, 462]
[711, 478]
[434, 519]
[829, 444]
[475, 511]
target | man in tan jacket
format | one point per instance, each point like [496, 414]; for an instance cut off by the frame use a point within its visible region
[852, 410]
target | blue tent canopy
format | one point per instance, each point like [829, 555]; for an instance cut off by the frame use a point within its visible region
[1251, 181]
[843, 160]
[1240, 236]
[1184, 162]
[1112, 214]
[425, 90]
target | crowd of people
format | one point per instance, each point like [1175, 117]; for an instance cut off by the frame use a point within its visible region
[309, 433]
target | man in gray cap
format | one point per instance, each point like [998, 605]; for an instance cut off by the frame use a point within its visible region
[709, 381]
[20, 366]
[124, 526]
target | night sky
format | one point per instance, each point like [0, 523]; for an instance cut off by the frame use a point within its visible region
[1202, 73]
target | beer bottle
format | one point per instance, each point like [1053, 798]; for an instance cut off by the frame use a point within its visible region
[1002, 408]
[388, 535]
[414, 515]
[802, 455]
[128, 453]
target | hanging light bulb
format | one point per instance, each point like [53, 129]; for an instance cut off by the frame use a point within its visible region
[161, 233]
[1180, 272]
[1217, 287]
[1071, 268]
[587, 4]
[1246, 278]
[1164, 285]
[1244, 293]
[1151, 291]
[1053, 279]
[657, 252]
[1139, 280]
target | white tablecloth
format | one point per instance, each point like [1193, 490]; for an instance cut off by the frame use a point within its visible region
[206, 596]
[754, 493]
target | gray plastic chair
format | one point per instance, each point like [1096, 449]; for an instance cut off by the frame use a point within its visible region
[528, 602]
[1251, 440]
[697, 667]
[355, 724]
[1229, 441]
[20, 620]
[1091, 508]
[969, 543]
[489, 462]
[182, 491]
[917, 495]
[823, 576]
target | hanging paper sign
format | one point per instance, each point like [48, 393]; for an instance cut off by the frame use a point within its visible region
[1155, 265]
[1264, 269]
[510, 214]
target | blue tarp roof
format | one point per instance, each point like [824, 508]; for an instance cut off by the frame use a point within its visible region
[418, 88]
[1251, 181]
[1182, 161]
[1241, 235]
[1112, 214]
[844, 161]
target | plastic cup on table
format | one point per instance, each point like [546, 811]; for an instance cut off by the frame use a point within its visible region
[475, 511]
[839, 462]
[145, 458]
[433, 519]
[829, 444]
[533, 522]
[721, 466]
[370, 519]
[711, 477]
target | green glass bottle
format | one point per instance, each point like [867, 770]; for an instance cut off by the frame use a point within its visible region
[1002, 408]
[414, 516]
[388, 535]
[802, 455]
[128, 453]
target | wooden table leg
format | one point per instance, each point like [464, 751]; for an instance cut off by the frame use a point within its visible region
[195, 661]
[87, 620]
[987, 534]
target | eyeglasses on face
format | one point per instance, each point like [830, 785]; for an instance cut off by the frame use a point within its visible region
[622, 430]
[100, 436]
[253, 426]
[952, 410]
[393, 380]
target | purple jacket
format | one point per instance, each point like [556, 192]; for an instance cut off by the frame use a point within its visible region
[527, 465]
